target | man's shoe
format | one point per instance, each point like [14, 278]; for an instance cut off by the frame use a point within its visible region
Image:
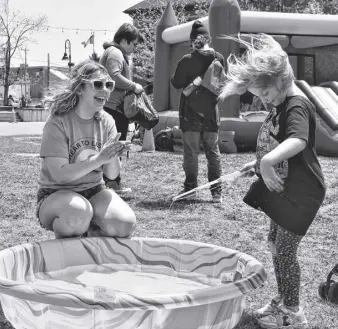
[118, 188]
[217, 198]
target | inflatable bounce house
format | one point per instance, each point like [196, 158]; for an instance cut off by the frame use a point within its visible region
[311, 42]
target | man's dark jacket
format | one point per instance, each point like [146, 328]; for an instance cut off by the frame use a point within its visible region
[198, 111]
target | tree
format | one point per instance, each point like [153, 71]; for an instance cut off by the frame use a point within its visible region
[146, 20]
[16, 30]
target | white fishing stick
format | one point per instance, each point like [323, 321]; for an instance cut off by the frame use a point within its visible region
[229, 179]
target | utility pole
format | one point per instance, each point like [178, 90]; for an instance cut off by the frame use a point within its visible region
[48, 70]
[4, 67]
[281, 6]
[93, 44]
[25, 73]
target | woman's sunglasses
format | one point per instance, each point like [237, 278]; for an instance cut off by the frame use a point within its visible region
[98, 85]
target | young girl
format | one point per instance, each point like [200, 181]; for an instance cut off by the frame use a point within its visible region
[290, 186]
[80, 143]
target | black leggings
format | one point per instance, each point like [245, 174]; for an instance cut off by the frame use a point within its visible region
[284, 245]
[121, 121]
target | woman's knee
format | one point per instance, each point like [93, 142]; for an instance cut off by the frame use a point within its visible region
[66, 213]
[76, 219]
[112, 214]
[120, 227]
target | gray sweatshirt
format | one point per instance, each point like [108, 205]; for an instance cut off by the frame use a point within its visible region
[117, 65]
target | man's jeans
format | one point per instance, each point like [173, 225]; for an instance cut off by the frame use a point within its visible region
[191, 147]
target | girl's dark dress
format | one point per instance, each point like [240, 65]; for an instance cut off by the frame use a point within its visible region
[295, 208]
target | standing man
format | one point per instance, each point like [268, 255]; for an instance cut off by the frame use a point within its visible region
[198, 111]
[116, 59]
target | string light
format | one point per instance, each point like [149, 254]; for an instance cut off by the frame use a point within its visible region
[70, 29]
[77, 29]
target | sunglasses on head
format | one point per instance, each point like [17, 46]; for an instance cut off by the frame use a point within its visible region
[98, 85]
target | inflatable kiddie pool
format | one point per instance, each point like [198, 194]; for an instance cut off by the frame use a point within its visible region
[107, 283]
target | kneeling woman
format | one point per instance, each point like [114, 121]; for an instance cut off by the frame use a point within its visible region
[80, 144]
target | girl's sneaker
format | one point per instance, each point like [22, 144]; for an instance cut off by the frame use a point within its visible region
[269, 308]
[284, 318]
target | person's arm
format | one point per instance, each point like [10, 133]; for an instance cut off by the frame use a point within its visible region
[114, 65]
[181, 78]
[221, 59]
[296, 134]
[63, 172]
[286, 150]
[112, 169]
[55, 151]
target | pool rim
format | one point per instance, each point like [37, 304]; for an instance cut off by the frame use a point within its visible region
[106, 298]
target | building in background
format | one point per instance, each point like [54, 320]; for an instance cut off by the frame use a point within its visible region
[34, 84]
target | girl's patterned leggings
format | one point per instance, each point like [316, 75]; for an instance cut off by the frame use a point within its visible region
[283, 245]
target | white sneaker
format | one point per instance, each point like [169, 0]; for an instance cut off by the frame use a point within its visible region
[284, 318]
[269, 308]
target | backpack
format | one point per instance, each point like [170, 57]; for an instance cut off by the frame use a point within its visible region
[138, 108]
[213, 79]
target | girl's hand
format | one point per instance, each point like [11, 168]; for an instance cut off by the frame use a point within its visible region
[248, 166]
[272, 181]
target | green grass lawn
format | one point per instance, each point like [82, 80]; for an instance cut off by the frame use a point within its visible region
[155, 178]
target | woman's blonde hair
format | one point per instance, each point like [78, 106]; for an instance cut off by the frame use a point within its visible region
[65, 97]
[262, 65]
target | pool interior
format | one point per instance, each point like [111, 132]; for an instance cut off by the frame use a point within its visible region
[128, 278]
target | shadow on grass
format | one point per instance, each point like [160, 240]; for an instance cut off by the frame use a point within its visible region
[166, 204]
[158, 204]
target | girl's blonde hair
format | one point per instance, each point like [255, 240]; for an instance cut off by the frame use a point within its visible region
[65, 97]
[262, 65]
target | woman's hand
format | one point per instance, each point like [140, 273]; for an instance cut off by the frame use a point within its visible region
[138, 88]
[113, 148]
[272, 181]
